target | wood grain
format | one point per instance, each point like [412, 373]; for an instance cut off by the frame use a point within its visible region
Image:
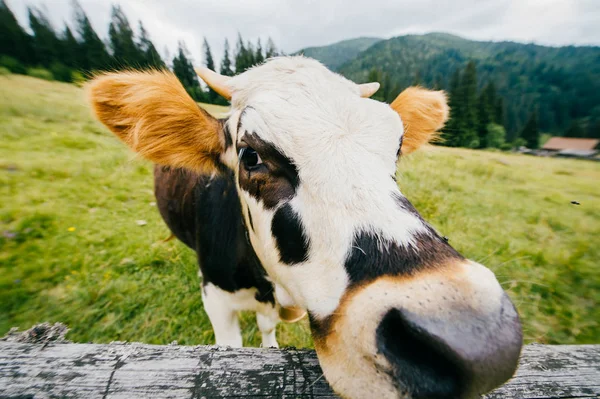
[121, 370]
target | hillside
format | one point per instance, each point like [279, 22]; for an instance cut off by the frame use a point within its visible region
[72, 247]
[563, 83]
[337, 54]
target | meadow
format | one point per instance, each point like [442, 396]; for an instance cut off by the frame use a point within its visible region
[81, 240]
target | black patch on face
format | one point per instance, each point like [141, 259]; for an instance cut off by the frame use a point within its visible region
[424, 364]
[289, 236]
[373, 256]
[273, 181]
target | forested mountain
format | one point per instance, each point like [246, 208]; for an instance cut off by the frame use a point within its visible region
[561, 84]
[336, 54]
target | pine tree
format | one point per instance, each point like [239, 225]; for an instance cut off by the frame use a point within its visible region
[530, 132]
[46, 45]
[125, 50]
[210, 64]
[69, 49]
[499, 111]
[483, 118]
[453, 131]
[485, 113]
[271, 49]
[226, 61]
[250, 61]
[258, 57]
[14, 41]
[184, 70]
[93, 54]
[149, 54]
[241, 58]
[208, 58]
[469, 106]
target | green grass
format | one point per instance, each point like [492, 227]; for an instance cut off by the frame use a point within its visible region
[71, 249]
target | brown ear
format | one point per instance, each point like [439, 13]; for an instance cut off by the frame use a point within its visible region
[423, 113]
[153, 114]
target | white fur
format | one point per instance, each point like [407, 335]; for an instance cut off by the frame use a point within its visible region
[222, 308]
[344, 147]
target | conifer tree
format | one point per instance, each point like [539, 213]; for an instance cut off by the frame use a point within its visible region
[226, 61]
[250, 61]
[258, 57]
[530, 132]
[45, 42]
[69, 49]
[469, 106]
[125, 51]
[483, 118]
[499, 111]
[92, 54]
[208, 58]
[150, 58]
[184, 70]
[271, 49]
[210, 64]
[452, 131]
[241, 58]
[14, 41]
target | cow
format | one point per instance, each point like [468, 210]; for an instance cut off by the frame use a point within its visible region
[292, 204]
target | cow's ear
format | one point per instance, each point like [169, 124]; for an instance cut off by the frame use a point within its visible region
[153, 114]
[423, 113]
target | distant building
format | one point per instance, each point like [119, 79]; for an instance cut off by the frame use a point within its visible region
[572, 147]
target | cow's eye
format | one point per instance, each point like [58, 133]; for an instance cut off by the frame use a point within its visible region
[250, 158]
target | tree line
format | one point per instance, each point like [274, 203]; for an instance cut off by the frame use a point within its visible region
[477, 117]
[72, 55]
[559, 87]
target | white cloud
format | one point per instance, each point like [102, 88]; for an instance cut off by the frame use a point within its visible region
[297, 24]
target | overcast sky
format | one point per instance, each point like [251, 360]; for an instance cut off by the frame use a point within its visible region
[295, 24]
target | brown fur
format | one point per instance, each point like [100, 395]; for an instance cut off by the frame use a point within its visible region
[153, 114]
[423, 113]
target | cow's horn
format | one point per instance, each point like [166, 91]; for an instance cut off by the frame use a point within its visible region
[215, 81]
[368, 89]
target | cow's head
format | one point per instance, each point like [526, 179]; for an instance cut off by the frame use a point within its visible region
[394, 310]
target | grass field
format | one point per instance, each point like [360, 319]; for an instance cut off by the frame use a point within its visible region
[73, 247]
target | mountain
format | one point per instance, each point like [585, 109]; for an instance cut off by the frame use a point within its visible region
[336, 54]
[561, 83]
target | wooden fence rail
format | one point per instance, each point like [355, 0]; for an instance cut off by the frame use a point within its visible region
[119, 370]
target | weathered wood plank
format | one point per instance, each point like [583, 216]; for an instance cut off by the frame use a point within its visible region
[134, 370]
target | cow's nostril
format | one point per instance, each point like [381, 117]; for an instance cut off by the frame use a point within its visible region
[462, 357]
[422, 365]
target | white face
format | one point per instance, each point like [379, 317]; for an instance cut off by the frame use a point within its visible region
[322, 176]
[315, 167]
